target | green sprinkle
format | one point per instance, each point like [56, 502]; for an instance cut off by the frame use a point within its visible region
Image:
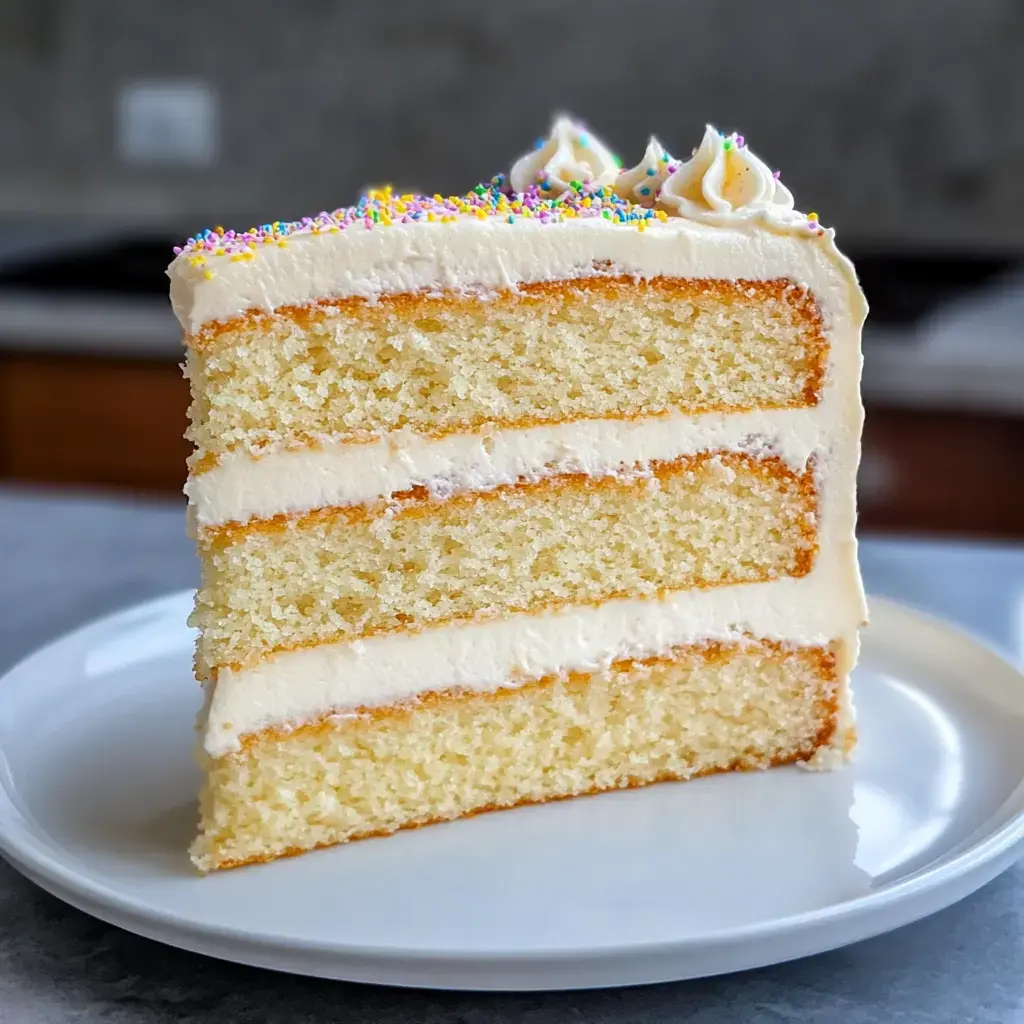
[617, 159]
[727, 144]
[576, 186]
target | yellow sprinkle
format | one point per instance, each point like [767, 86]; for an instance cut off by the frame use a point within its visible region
[282, 244]
[236, 258]
[438, 198]
[661, 215]
[385, 220]
[335, 230]
[641, 225]
[248, 255]
[586, 203]
[218, 230]
[568, 212]
[218, 252]
[431, 218]
[207, 274]
[812, 216]
[480, 214]
[408, 197]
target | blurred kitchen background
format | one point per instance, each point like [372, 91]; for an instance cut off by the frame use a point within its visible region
[126, 125]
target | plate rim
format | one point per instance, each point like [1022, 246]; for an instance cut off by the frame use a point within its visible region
[993, 847]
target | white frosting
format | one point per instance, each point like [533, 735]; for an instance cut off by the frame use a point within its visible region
[730, 218]
[305, 684]
[570, 153]
[293, 481]
[642, 184]
[724, 182]
[491, 254]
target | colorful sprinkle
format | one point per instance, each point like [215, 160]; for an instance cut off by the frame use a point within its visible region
[381, 208]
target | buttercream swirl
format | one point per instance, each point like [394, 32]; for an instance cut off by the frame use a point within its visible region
[570, 153]
[724, 182]
[643, 183]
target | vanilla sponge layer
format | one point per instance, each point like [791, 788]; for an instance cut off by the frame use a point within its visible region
[705, 708]
[344, 574]
[596, 347]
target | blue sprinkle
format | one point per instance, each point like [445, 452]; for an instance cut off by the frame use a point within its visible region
[645, 191]
[650, 172]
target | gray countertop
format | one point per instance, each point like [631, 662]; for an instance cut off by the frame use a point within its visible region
[67, 559]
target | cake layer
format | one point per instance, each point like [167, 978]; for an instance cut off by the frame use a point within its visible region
[595, 347]
[302, 685]
[700, 709]
[243, 487]
[340, 574]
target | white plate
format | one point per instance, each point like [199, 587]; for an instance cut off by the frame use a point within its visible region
[676, 881]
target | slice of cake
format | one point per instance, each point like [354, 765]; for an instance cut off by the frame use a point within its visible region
[543, 490]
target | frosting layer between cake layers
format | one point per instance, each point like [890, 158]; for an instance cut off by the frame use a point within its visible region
[292, 481]
[302, 685]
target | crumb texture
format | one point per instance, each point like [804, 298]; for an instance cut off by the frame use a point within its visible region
[341, 574]
[592, 347]
[701, 709]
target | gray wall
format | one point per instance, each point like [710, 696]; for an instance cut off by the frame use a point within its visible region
[900, 122]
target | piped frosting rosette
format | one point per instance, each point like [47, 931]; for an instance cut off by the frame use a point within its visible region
[724, 182]
[643, 184]
[569, 154]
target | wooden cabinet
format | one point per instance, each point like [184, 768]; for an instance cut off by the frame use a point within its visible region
[119, 423]
[107, 422]
[942, 472]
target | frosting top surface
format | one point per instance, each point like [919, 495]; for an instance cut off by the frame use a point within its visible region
[569, 179]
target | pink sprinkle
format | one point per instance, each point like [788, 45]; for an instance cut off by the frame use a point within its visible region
[177, 250]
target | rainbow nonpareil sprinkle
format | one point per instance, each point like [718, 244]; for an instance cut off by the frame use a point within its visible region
[382, 208]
